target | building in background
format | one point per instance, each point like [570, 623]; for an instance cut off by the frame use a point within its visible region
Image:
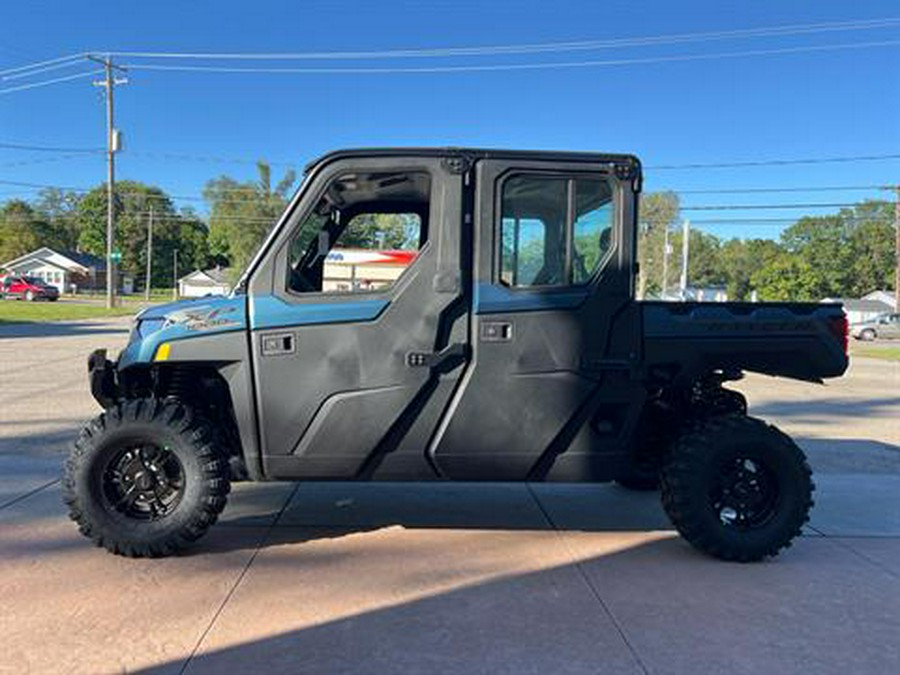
[204, 282]
[861, 310]
[68, 271]
[349, 269]
[887, 297]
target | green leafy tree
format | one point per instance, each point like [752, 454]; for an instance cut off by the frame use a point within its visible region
[658, 212]
[740, 258]
[241, 214]
[22, 229]
[134, 202]
[60, 208]
[786, 277]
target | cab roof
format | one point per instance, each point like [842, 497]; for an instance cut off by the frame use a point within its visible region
[474, 154]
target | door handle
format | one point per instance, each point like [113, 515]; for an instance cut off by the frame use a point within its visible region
[276, 344]
[457, 350]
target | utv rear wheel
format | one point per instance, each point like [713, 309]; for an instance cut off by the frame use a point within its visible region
[143, 479]
[737, 488]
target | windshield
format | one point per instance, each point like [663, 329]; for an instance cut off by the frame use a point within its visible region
[34, 281]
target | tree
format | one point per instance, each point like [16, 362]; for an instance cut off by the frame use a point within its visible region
[872, 241]
[241, 214]
[171, 230]
[846, 254]
[786, 277]
[60, 208]
[658, 212]
[740, 258]
[22, 229]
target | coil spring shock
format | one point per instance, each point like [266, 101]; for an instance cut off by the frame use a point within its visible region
[178, 384]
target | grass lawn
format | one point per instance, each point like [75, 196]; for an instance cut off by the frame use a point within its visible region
[16, 311]
[884, 352]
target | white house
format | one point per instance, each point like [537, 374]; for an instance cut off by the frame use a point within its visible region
[859, 311]
[204, 282]
[63, 269]
[887, 297]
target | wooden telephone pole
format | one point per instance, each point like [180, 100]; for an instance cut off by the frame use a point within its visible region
[149, 255]
[896, 190]
[897, 248]
[109, 83]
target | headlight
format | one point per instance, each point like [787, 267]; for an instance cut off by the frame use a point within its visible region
[145, 327]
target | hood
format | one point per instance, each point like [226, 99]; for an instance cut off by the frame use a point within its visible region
[181, 321]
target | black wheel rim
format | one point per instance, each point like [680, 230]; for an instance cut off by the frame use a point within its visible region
[745, 494]
[143, 481]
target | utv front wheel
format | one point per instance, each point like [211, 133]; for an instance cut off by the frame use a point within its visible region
[737, 488]
[143, 479]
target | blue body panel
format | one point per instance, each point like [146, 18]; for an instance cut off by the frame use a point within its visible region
[268, 311]
[495, 299]
[191, 318]
[182, 321]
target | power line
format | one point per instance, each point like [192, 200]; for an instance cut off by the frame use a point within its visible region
[742, 207]
[45, 148]
[44, 83]
[772, 162]
[207, 158]
[545, 65]
[44, 69]
[30, 66]
[764, 190]
[488, 50]
[515, 49]
[248, 193]
[42, 160]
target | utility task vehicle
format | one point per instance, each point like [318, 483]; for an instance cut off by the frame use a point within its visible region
[450, 314]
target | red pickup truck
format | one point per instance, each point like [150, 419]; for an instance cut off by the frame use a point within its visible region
[28, 288]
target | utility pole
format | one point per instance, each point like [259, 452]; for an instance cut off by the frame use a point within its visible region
[685, 249]
[109, 83]
[897, 248]
[175, 275]
[149, 254]
[665, 271]
[896, 190]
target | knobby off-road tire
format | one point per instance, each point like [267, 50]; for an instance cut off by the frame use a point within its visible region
[737, 488]
[144, 480]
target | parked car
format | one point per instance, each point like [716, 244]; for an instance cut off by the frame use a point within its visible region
[28, 288]
[883, 326]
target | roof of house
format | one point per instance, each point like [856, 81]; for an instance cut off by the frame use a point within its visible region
[67, 260]
[212, 277]
[854, 305]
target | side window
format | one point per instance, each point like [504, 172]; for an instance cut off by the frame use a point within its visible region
[362, 235]
[554, 230]
[532, 231]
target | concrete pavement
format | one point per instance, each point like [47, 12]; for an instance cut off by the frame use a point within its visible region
[446, 578]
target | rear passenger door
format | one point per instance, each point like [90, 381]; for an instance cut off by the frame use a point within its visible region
[553, 330]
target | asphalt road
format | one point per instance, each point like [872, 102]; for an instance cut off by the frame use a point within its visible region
[385, 578]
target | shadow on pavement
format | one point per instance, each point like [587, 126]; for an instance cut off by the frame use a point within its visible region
[632, 606]
[61, 329]
[825, 410]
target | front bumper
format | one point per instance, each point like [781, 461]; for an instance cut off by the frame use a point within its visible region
[102, 376]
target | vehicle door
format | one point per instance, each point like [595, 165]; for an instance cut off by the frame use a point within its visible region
[554, 330]
[891, 328]
[358, 321]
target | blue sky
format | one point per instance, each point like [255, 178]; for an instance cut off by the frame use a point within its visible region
[805, 104]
